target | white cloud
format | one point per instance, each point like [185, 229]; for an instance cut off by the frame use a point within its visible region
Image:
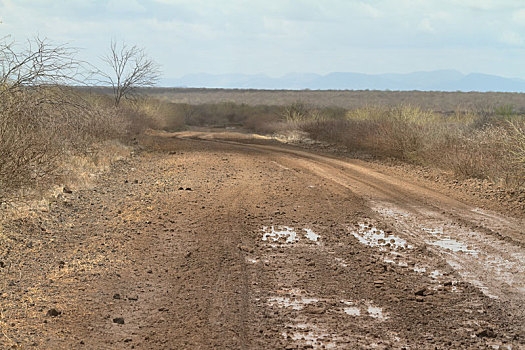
[512, 38]
[519, 16]
[426, 26]
[125, 6]
[284, 35]
[370, 10]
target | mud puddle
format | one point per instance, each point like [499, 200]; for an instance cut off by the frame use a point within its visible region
[288, 234]
[364, 308]
[453, 245]
[310, 335]
[295, 303]
[374, 237]
[493, 265]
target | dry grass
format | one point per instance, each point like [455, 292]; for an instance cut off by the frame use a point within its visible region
[471, 145]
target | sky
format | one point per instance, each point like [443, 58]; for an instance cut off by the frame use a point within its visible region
[276, 37]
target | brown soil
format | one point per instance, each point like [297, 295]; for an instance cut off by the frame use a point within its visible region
[177, 248]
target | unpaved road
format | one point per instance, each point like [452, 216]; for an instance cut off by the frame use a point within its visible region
[220, 241]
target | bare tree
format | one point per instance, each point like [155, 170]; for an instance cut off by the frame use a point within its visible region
[130, 68]
[40, 63]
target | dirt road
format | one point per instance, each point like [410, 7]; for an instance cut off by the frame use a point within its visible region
[227, 241]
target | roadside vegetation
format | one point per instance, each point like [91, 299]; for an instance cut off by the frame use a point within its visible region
[55, 129]
[483, 144]
[471, 145]
[52, 132]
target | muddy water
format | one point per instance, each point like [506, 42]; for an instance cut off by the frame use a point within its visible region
[288, 234]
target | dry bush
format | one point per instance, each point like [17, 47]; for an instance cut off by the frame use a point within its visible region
[484, 146]
[402, 132]
[473, 155]
[515, 144]
[29, 150]
[140, 115]
[40, 127]
[266, 123]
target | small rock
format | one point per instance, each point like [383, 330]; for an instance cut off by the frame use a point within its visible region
[2, 264]
[53, 312]
[61, 264]
[67, 190]
[245, 248]
[188, 189]
[118, 320]
[420, 299]
[181, 188]
[116, 296]
[421, 292]
[487, 333]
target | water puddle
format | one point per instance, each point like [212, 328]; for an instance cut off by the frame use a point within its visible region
[352, 311]
[287, 234]
[374, 237]
[358, 308]
[395, 261]
[309, 334]
[278, 233]
[311, 235]
[420, 269]
[453, 245]
[376, 312]
[436, 274]
[296, 303]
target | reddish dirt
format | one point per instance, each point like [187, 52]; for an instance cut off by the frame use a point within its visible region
[177, 248]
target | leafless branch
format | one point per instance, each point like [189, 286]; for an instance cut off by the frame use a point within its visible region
[40, 63]
[130, 68]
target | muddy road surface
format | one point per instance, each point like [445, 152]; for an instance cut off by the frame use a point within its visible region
[225, 241]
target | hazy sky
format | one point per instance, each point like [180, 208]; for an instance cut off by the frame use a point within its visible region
[276, 37]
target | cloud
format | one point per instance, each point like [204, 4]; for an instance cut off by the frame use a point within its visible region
[519, 17]
[278, 36]
[125, 6]
[512, 38]
[426, 26]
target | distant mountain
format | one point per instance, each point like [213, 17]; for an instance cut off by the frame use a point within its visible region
[440, 80]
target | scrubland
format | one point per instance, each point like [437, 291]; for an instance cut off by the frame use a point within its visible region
[481, 144]
[57, 135]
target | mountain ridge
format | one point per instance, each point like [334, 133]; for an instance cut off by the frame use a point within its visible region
[438, 80]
